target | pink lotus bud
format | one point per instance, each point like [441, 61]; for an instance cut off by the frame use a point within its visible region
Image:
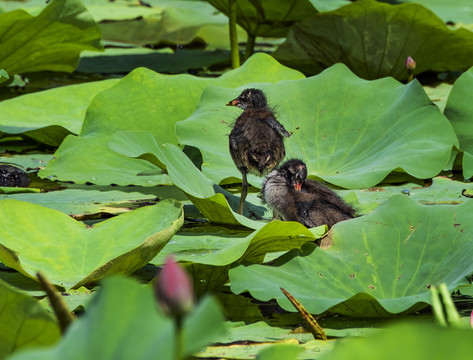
[173, 289]
[410, 64]
[471, 319]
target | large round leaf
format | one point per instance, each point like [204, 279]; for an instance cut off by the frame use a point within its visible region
[35, 116]
[81, 202]
[459, 111]
[271, 18]
[69, 253]
[144, 100]
[374, 40]
[379, 264]
[350, 132]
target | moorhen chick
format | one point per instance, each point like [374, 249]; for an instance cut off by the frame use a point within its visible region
[295, 198]
[256, 140]
[11, 176]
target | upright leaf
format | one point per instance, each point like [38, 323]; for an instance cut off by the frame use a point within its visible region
[374, 40]
[459, 111]
[52, 40]
[23, 322]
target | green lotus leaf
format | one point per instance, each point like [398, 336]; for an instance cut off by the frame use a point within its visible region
[41, 117]
[124, 322]
[144, 100]
[212, 201]
[352, 143]
[379, 264]
[164, 21]
[280, 351]
[168, 22]
[30, 235]
[328, 5]
[124, 60]
[270, 18]
[3, 75]
[82, 202]
[107, 168]
[51, 41]
[462, 12]
[222, 247]
[442, 191]
[23, 322]
[374, 40]
[459, 110]
[406, 341]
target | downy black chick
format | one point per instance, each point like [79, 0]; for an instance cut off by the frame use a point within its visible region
[295, 198]
[256, 140]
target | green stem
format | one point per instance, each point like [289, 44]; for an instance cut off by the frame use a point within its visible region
[233, 33]
[250, 45]
[178, 337]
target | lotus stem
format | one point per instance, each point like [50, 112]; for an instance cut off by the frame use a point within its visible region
[63, 315]
[250, 45]
[178, 338]
[233, 33]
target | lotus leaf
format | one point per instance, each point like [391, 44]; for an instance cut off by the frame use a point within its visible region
[23, 322]
[459, 110]
[144, 100]
[442, 191]
[34, 116]
[270, 18]
[3, 74]
[346, 129]
[374, 40]
[406, 341]
[280, 351]
[223, 248]
[80, 202]
[462, 12]
[211, 200]
[52, 40]
[328, 5]
[311, 350]
[30, 235]
[125, 60]
[123, 322]
[379, 264]
[168, 22]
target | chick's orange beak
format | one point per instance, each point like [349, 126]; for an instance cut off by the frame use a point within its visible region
[298, 186]
[234, 102]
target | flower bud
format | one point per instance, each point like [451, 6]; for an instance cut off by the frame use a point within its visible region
[174, 290]
[410, 64]
[471, 319]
